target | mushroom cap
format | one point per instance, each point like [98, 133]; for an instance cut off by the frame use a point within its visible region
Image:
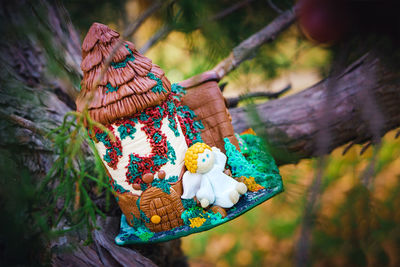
[129, 85]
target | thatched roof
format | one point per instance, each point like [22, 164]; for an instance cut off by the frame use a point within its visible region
[130, 84]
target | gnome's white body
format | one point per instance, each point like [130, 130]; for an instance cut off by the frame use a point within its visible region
[210, 184]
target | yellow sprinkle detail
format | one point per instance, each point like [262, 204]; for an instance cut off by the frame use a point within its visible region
[251, 184]
[155, 219]
[249, 131]
[196, 222]
[191, 155]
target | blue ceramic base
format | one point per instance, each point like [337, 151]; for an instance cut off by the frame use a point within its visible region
[246, 203]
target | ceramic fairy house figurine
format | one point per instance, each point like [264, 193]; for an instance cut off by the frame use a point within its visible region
[133, 100]
[153, 125]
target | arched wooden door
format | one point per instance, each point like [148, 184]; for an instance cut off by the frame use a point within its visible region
[155, 202]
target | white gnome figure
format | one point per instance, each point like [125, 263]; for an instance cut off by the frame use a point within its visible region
[206, 180]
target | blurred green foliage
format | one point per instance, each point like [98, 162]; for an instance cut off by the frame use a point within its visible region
[207, 30]
[211, 32]
[33, 209]
[23, 228]
[84, 13]
[74, 178]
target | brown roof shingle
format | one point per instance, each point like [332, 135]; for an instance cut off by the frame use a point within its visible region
[128, 86]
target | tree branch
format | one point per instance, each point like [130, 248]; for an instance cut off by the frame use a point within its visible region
[291, 124]
[167, 29]
[229, 10]
[274, 7]
[246, 49]
[160, 34]
[234, 101]
[24, 123]
[133, 27]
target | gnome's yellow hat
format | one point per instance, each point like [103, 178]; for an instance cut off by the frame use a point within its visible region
[191, 155]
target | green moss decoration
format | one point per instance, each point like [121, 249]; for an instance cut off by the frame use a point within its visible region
[188, 203]
[143, 233]
[141, 230]
[143, 186]
[162, 184]
[172, 179]
[198, 125]
[123, 63]
[177, 89]
[244, 148]
[143, 117]
[259, 157]
[116, 187]
[172, 125]
[110, 88]
[135, 221]
[240, 166]
[143, 216]
[197, 212]
[126, 130]
[157, 137]
[192, 128]
[158, 88]
[160, 160]
[171, 153]
[191, 213]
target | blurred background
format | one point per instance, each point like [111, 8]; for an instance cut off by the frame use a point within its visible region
[326, 207]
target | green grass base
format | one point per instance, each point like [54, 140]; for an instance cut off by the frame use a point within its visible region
[250, 200]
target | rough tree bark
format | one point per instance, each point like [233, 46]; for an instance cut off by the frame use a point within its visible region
[291, 124]
[32, 101]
